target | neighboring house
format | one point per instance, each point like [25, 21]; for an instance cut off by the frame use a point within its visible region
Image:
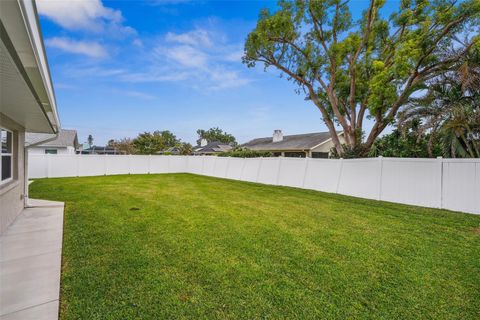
[66, 142]
[27, 101]
[172, 150]
[312, 145]
[102, 150]
[210, 148]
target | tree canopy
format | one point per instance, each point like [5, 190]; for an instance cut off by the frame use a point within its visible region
[151, 143]
[215, 134]
[370, 68]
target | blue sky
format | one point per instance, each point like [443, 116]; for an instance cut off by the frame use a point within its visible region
[124, 67]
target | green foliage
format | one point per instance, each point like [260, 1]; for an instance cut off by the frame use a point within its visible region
[451, 109]
[90, 140]
[352, 70]
[215, 134]
[408, 143]
[124, 145]
[151, 143]
[185, 149]
[245, 153]
[207, 248]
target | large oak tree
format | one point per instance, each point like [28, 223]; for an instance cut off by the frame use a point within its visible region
[370, 68]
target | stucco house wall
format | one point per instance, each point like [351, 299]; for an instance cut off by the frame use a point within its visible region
[12, 192]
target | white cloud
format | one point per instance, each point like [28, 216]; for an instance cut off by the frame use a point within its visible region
[202, 56]
[138, 94]
[155, 76]
[186, 56]
[89, 15]
[197, 37]
[88, 48]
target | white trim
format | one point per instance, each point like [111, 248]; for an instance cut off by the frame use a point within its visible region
[10, 154]
[328, 140]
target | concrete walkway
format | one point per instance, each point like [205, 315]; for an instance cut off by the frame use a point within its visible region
[30, 263]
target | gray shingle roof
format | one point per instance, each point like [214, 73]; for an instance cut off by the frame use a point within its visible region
[66, 138]
[304, 141]
[213, 147]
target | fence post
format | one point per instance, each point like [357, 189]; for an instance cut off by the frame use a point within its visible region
[227, 167]
[49, 165]
[149, 163]
[259, 168]
[105, 165]
[278, 171]
[305, 172]
[77, 157]
[380, 174]
[243, 169]
[440, 182]
[339, 175]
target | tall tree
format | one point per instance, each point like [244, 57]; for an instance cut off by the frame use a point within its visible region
[215, 134]
[352, 70]
[150, 143]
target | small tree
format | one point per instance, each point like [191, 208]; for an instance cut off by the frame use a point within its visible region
[185, 149]
[124, 145]
[215, 134]
[352, 70]
[90, 140]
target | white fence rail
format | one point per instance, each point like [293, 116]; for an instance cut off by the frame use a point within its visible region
[438, 183]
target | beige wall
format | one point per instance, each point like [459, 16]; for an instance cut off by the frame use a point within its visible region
[327, 146]
[12, 193]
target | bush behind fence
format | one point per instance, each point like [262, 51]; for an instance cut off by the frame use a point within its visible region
[437, 183]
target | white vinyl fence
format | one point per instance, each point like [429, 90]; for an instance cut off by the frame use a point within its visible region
[437, 183]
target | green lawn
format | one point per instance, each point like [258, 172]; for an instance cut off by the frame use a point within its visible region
[181, 246]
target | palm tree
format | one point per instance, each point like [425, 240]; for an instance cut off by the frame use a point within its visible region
[450, 110]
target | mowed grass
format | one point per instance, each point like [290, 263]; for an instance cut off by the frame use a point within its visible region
[181, 246]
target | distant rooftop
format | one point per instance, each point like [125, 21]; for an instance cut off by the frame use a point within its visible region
[66, 138]
[304, 141]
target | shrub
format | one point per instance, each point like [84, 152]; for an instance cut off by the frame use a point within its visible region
[245, 153]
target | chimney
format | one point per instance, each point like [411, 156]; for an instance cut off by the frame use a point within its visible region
[203, 142]
[277, 135]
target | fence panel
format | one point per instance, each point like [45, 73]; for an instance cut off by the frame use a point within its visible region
[322, 174]
[461, 186]
[195, 165]
[209, 166]
[91, 165]
[268, 171]
[411, 181]
[177, 164]
[117, 164]
[37, 166]
[292, 172]
[139, 164]
[250, 169]
[235, 167]
[159, 164]
[360, 178]
[221, 166]
[62, 166]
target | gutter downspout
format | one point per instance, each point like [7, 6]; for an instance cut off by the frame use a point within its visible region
[25, 165]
